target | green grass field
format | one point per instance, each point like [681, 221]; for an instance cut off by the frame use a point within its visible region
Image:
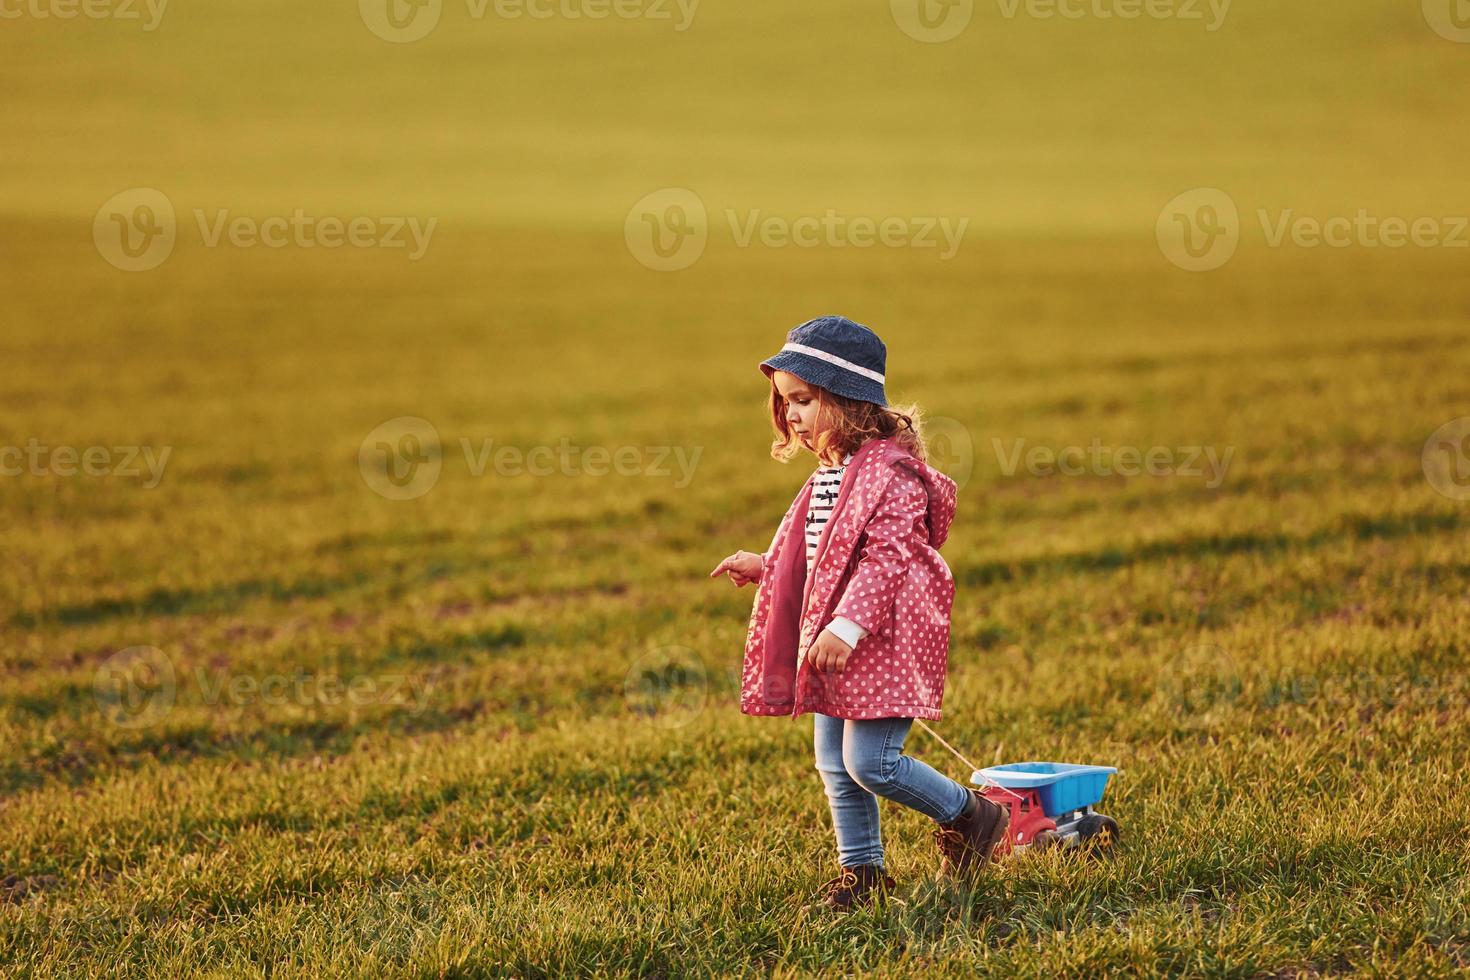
[492, 729]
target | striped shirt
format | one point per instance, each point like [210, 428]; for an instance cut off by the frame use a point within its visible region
[819, 508]
[824, 498]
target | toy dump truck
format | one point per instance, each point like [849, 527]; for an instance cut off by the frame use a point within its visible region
[1051, 805]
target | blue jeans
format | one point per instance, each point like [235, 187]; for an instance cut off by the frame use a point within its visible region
[858, 759]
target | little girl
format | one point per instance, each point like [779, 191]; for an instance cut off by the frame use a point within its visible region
[851, 615]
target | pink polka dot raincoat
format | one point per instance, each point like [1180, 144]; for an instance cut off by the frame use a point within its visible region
[878, 564]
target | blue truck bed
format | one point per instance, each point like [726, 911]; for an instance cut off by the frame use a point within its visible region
[1062, 786]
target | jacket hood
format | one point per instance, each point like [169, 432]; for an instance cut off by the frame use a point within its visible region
[943, 492]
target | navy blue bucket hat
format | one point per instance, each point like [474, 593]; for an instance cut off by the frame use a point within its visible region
[835, 353]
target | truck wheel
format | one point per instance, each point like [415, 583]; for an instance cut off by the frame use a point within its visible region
[1098, 834]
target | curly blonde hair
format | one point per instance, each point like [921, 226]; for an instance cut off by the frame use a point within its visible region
[844, 424]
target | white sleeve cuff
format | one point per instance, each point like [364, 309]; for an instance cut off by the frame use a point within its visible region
[846, 630]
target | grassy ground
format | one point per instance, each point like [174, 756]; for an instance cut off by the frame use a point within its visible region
[493, 728]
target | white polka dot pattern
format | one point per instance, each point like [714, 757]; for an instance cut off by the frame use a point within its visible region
[879, 565]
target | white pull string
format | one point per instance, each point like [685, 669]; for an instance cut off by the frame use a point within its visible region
[973, 768]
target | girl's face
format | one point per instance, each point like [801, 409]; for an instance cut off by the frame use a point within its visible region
[802, 406]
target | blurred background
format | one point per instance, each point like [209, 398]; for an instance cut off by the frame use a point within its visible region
[413, 345]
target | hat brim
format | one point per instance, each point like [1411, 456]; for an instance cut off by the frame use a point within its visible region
[815, 371]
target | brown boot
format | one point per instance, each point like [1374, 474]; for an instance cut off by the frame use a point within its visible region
[967, 842]
[859, 885]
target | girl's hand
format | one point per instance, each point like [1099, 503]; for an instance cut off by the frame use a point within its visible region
[828, 652]
[743, 567]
